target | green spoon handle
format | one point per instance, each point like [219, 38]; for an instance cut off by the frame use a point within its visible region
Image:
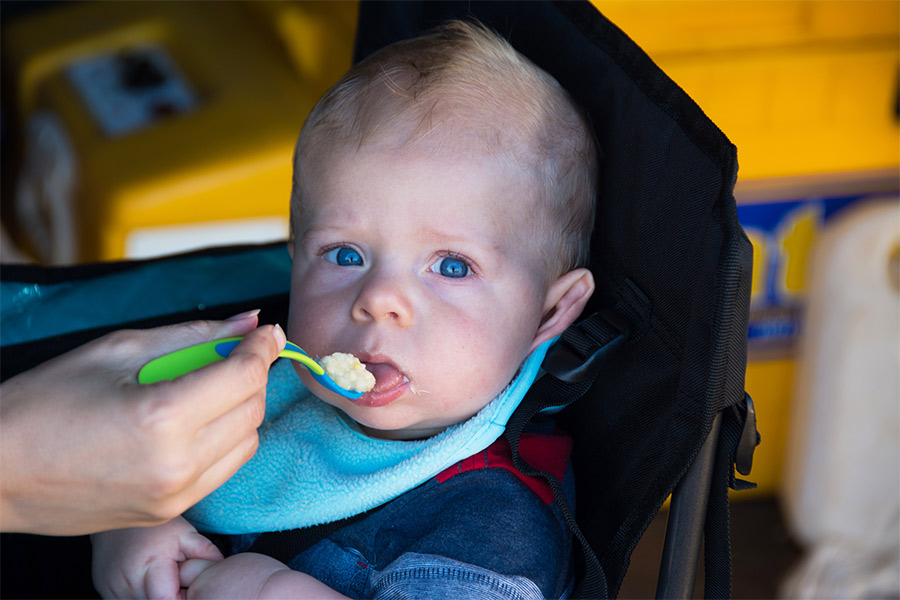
[181, 362]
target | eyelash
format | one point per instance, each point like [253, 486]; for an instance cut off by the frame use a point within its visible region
[326, 249]
[471, 271]
[457, 256]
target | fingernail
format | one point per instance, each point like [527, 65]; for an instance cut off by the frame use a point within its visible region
[280, 338]
[244, 315]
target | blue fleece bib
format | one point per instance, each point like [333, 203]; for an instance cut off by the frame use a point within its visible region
[315, 466]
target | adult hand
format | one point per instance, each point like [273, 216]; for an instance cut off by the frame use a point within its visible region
[85, 448]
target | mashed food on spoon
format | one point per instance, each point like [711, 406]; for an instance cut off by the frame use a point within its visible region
[346, 371]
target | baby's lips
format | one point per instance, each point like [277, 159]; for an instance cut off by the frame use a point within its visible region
[386, 375]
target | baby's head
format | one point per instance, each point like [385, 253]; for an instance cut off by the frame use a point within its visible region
[442, 206]
[465, 88]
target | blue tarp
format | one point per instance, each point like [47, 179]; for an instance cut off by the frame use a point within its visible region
[30, 311]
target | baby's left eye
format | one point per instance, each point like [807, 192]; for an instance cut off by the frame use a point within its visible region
[451, 266]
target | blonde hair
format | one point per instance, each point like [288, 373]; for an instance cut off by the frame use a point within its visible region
[468, 75]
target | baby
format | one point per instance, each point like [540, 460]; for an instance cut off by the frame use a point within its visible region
[442, 206]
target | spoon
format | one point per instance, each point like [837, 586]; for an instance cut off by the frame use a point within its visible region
[180, 362]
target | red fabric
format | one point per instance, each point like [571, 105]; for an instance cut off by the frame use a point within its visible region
[548, 453]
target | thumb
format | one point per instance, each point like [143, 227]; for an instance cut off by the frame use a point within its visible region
[189, 570]
[129, 350]
[168, 338]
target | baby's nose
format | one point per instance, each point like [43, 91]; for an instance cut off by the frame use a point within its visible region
[383, 299]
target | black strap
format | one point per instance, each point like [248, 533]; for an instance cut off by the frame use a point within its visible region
[572, 365]
[285, 545]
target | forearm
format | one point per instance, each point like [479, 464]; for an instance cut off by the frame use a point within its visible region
[27, 503]
[286, 583]
[13, 472]
[250, 575]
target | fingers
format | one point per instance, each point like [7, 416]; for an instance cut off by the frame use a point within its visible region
[200, 554]
[174, 337]
[197, 545]
[189, 570]
[218, 388]
[161, 580]
[219, 407]
[220, 470]
[126, 351]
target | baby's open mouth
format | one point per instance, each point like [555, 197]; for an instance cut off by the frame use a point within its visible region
[390, 385]
[387, 376]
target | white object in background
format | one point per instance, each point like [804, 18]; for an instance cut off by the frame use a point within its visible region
[841, 486]
[131, 89]
[146, 242]
[45, 190]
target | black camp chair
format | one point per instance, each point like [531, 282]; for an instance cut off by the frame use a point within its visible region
[651, 377]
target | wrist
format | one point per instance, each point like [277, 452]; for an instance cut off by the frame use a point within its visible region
[11, 518]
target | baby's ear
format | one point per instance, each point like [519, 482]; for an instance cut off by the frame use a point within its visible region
[565, 300]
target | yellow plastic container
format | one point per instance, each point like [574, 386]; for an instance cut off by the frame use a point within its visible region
[150, 172]
[808, 92]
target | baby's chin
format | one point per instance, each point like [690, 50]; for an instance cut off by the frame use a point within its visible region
[392, 425]
[390, 422]
[401, 434]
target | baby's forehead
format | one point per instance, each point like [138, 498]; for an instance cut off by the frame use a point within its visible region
[456, 162]
[488, 153]
[446, 127]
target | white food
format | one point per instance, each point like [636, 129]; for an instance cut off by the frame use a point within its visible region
[346, 371]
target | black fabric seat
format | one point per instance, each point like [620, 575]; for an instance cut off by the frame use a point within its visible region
[669, 257]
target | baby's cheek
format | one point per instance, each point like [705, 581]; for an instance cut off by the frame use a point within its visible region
[493, 354]
[483, 383]
[307, 331]
[303, 374]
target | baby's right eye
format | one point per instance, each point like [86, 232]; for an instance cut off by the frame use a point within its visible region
[344, 256]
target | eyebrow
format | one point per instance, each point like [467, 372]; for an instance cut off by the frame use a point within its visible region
[422, 233]
[320, 229]
[451, 239]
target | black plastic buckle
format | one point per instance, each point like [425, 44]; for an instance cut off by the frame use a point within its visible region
[585, 346]
[743, 459]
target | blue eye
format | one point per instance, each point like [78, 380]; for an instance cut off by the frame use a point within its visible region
[451, 266]
[344, 256]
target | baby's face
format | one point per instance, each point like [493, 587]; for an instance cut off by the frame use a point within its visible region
[428, 270]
